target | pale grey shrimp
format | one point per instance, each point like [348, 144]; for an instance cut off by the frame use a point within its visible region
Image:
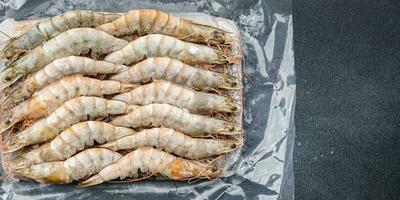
[51, 97]
[182, 97]
[173, 142]
[47, 29]
[145, 21]
[152, 161]
[156, 45]
[78, 41]
[71, 112]
[176, 118]
[80, 166]
[70, 141]
[176, 71]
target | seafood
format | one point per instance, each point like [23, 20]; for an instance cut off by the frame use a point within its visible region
[71, 112]
[58, 69]
[52, 96]
[145, 21]
[173, 142]
[153, 161]
[80, 166]
[156, 45]
[72, 140]
[169, 93]
[76, 41]
[45, 30]
[176, 118]
[174, 70]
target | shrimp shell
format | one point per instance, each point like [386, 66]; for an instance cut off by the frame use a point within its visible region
[156, 45]
[76, 41]
[80, 166]
[58, 69]
[45, 30]
[72, 140]
[174, 70]
[182, 97]
[71, 112]
[145, 21]
[54, 95]
[153, 161]
[176, 118]
[174, 142]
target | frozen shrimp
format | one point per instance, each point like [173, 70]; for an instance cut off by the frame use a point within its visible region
[80, 166]
[174, 142]
[176, 71]
[176, 118]
[76, 41]
[51, 97]
[156, 45]
[58, 69]
[182, 97]
[72, 140]
[152, 161]
[71, 112]
[45, 30]
[145, 21]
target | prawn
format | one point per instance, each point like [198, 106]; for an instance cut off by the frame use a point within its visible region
[70, 141]
[80, 166]
[173, 142]
[48, 99]
[169, 93]
[71, 112]
[58, 69]
[146, 21]
[153, 161]
[176, 118]
[78, 41]
[176, 71]
[156, 45]
[45, 30]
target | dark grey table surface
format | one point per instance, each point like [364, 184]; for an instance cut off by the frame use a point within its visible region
[347, 117]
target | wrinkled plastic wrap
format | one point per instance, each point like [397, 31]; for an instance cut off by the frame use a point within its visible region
[262, 169]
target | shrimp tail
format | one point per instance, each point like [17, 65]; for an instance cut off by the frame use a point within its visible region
[94, 180]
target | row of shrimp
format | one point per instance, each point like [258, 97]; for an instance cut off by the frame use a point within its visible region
[96, 97]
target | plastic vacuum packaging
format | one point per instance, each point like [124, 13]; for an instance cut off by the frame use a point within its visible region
[262, 168]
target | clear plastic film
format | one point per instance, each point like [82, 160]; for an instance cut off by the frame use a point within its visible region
[262, 168]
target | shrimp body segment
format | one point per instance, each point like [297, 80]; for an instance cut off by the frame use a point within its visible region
[80, 166]
[173, 142]
[145, 21]
[76, 41]
[156, 45]
[169, 93]
[72, 140]
[169, 69]
[153, 161]
[176, 118]
[71, 112]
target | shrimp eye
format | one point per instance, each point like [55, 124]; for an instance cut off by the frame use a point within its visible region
[233, 145]
[234, 84]
[8, 78]
[214, 168]
[231, 128]
[8, 121]
[234, 108]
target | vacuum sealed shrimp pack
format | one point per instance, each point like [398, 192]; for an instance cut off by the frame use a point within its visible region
[147, 99]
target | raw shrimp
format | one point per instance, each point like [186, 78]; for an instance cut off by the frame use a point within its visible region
[51, 97]
[156, 45]
[145, 21]
[58, 69]
[152, 161]
[45, 30]
[176, 118]
[169, 93]
[174, 70]
[76, 41]
[71, 112]
[70, 141]
[80, 166]
[173, 142]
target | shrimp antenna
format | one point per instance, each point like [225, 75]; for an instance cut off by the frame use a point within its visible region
[6, 34]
